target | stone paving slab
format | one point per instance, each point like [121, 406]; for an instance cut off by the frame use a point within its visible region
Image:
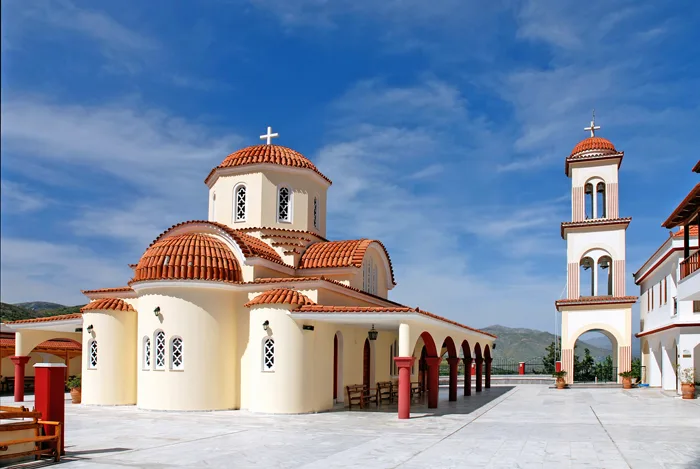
[526, 426]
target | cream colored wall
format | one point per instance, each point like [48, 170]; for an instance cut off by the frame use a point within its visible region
[7, 368]
[27, 339]
[222, 210]
[607, 171]
[205, 318]
[580, 242]
[616, 321]
[373, 253]
[305, 185]
[113, 381]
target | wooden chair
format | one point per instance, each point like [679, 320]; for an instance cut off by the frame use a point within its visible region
[37, 425]
[369, 395]
[384, 391]
[355, 393]
[395, 390]
[416, 389]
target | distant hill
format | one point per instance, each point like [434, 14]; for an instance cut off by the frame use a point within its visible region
[523, 345]
[16, 312]
[39, 305]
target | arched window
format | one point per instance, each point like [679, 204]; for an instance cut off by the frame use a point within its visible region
[588, 201]
[600, 200]
[176, 354]
[160, 350]
[146, 353]
[369, 276]
[284, 205]
[605, 276]
[586, 277]
[239, 203]
[92, 354]
[315, 212]
[268, 356]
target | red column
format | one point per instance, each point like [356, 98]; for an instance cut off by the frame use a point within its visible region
[557, 366]
[479, 373]
[404, 364]
[468, 376]
[19, 362]
[433, 381]
[50, 397]
[454, 364]
[521, 368]
[487, 385]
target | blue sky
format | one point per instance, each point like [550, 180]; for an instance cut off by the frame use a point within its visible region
[444, 126]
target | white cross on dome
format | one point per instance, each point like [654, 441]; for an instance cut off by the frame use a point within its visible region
[269, 135]
[592, 128]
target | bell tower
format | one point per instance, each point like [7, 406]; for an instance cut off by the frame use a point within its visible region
[595, 246]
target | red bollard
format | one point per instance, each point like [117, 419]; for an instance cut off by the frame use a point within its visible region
[521, 368]
[557, 366]
[50, 396]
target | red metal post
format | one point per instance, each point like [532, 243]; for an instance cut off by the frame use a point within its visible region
[404, 364]
[557, 366]
[454, 369]
[433, 381]
[479, 373]
[487, 384]
[19, 362]
[50, 397]
[521, 368]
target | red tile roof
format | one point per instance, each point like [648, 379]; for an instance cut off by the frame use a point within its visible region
[596, 300]
[47, 344]
[103, 304]
[250, 245]
[686, 210]
[267, 154]
[339, 254]
[601, 145]
[61, 317]
[108, 290]
[594, 222]
[280, 296]
[190, 256]
[693, 231]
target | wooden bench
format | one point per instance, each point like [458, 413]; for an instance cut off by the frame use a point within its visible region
[359, 394]
[54, 441]
[384, 391]
[416, 389]
[370, 395]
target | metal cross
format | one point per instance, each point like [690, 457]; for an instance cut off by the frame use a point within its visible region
[593, 127]
[269, 136]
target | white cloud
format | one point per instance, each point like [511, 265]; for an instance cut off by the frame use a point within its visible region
[18, 198]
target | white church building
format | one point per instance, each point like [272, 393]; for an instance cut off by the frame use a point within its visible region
[669, 286]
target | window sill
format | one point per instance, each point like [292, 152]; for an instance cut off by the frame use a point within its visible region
[178, 370]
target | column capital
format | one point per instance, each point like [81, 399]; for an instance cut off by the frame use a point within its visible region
[478, 360]
[488, 359]
[433, 361]
[404, 362]
[468, 360]
[19, 359]
[453, 361]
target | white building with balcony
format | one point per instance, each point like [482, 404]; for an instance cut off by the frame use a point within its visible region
[669, 287]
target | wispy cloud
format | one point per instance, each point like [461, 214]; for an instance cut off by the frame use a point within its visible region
[18, 198]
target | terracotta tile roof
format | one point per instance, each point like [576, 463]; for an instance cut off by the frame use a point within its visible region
[267, 154]
[108, 290]
[693, 231]
[48, 344]
[280, 296]
[686, 210]
[594, 222]
[281, 230]
[104, 304]
[339, 254]
[596, 300]
[600, 144]
[61, 317]
[250, 245]
[382, 309]
[190, 256]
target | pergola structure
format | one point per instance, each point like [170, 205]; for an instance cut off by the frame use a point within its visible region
[686, 214]
[56, 335]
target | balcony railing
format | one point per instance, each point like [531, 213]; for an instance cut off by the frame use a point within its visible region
[690, 265]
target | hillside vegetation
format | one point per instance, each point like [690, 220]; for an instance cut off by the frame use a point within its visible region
[9, 312]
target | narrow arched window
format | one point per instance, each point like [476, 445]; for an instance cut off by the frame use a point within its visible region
[605, 277]
[284, 205]
[268, 349]
[146, 353]
[176, 354]
[600, 200]
[586, 277]
[369, 276]
[160, 350]
[315, 212]
[240, 203]
[92, 352]
[588, 201]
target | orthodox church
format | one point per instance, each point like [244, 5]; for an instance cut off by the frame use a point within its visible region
[254, 308]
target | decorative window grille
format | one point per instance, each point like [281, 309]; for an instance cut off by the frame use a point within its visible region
[315, 212]
[269, 354]
[240, 203]
[176, 358]
[146, 353]
[92, 359]
[284, 205]
[369, 276]
[160, 350]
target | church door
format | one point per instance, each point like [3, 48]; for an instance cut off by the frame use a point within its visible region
[365, 364]
[335, 367]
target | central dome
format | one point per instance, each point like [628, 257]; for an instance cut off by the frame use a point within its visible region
[597, 144]
[268, 154]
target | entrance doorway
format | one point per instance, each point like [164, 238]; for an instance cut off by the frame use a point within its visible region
[366, 364]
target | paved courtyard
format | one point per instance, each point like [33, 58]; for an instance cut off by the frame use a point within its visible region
[503, 427]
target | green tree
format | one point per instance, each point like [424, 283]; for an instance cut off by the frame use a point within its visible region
[637, 369]
[550, 358]
[604, 370]
[586, 368]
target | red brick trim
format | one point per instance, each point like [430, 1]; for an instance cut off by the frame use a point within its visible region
[665, 328]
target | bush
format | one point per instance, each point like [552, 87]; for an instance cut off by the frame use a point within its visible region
[73, 382]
